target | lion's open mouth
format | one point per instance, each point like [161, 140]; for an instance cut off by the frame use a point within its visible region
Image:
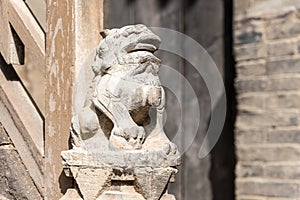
[144, 47]
[148, 42]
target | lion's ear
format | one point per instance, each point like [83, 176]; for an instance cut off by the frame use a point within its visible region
[104, 33]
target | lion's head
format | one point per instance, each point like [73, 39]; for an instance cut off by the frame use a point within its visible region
[129, 49]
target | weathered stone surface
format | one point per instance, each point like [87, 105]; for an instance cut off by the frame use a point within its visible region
[71, 194]
[249, 137]
[265, 153]
[242, 6]
[116, 195]
[263, 9]
[256, 101]
[24, 129]
[15, 182]
[114, 141]
[267, 138]
[266, 9]
[283, 100]
[268, 84]
[249, 170]
[260, 119]
[249, 35]
[250, 197]
[281, 48]
[269, 101]
[168, 197]
[284, 136]
[283, 30]
[110, 158]
[251, 69]
[282, 171]
[250, 51]
[151, 183]
[283, 66]
[91, 181]
[268, 188]
[4, 139]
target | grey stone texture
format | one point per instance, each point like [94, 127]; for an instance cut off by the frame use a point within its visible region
[268, 188]
[267, 38]
[251, 69]
[15, 182]
[281, 48]
[282, 66]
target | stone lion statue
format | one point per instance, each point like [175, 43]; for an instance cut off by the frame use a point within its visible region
[125, 88]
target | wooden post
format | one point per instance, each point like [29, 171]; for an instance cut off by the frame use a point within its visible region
[72, 32]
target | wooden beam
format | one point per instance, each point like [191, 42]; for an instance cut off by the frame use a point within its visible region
[7, 45]
[24, 22]
[17, 18]
[38, 8]
[24, 126]
[73, 28]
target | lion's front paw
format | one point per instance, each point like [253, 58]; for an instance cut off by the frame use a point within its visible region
[135, 136]
[158, 140]
[127, 138]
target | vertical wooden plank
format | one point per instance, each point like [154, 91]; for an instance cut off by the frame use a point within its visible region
[7, 45]
[88, 24]
[32, 71]
[59, 77]
[38, 8]
[73, 28]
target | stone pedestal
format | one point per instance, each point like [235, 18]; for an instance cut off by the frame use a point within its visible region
[135, 174]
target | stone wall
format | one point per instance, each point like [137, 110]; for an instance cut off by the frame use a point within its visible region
[15, 181]
[267, 46]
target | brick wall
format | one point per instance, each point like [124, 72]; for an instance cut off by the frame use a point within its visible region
[267, 130]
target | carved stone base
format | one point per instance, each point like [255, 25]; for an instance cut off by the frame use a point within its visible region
[111, 175]
[72, 194]
[112, 195]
